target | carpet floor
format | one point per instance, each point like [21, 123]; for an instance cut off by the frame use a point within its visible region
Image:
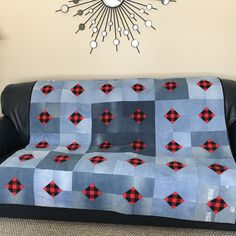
[18, 227]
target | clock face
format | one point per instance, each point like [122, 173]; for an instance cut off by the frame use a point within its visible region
[112, 3]
[118, 19]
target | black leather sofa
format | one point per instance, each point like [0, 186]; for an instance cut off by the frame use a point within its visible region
[14, 135]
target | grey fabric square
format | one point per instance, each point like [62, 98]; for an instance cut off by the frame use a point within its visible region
[179, 91]
[53, 161]
[121, 142]
[123, 121]
[130, 122]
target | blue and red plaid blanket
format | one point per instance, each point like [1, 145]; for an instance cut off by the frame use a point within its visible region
[141, 146]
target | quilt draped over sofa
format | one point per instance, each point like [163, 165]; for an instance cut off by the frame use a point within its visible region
[140, 146]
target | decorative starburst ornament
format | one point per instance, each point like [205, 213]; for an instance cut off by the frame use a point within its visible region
[122, 18]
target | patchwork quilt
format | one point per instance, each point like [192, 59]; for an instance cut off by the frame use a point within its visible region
[141, 146]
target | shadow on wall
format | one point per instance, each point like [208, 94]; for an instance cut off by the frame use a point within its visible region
[1, 58]
[1, 50]
[1, 35]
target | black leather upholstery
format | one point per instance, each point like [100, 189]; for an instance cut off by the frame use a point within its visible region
[48, 213]
[9, 137]
[15, 102]
[232, 138]
[229, 88]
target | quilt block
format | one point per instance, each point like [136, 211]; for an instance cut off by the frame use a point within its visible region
[140, 146]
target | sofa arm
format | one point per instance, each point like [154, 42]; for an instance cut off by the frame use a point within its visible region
[9, 137]
[232, 138]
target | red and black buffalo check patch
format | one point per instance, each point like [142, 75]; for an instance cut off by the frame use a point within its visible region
[44, 117]
[175, 165]
[43, 144]
[136, 161]
[106, 117]
[174, 200]
[26, 157]
[173, 146]
[206, 115]
[77, 90]
[138, 145]
[47, 89]
[138, 88]
[97, 159]
[210, 146]
[75, 118]
[218, 204]
[219, 169]
[204, 84]
[14, 186]
[132, 196]
[92, 192]
[52, 189]
[61, 158]
[105, 145]
[107, 88]
[172, 115]
[139, 116]
[73, 146]
[171, 86]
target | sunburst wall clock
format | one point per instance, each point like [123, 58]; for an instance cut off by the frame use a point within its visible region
[121, 18]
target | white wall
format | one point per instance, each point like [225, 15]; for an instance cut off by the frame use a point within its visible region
[193, 37]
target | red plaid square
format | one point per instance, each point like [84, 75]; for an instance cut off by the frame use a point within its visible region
[173, 146]
[92, 192]
[73, 146]
[172, 115]
[104, 146]
[47, 89]
[52, 189]
[138, 145]
[138, 88]
[206, 115]
[44, 117]
[139, 116]
[43, 144]
[136, 161]
[14, 186]
[170, 85]
[204, 84]
[77, 90]
[219, 169]
[174, 200]
[175, 165]
[218, 204]
[210, 146]
[61, 158]
[107, 88]
[75, 118]
[106, 117]
[97, 159]
[26, 157]
[132, 196]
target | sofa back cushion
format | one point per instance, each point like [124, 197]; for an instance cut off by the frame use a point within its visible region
[147, 116]
[15, 101]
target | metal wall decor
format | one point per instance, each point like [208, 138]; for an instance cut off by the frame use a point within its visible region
[122, 18]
